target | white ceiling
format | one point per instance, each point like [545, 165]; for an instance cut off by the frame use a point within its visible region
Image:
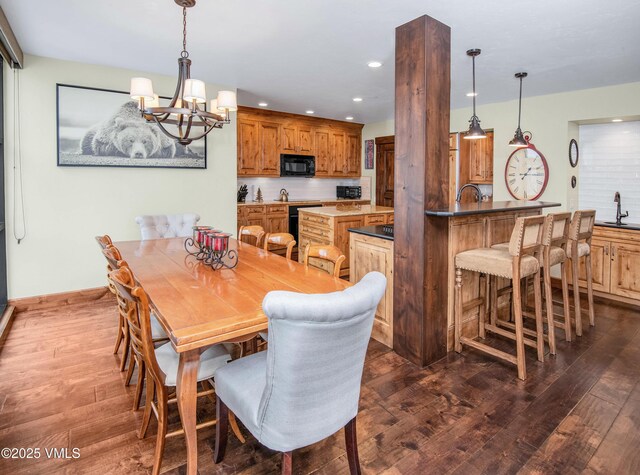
[312, 54]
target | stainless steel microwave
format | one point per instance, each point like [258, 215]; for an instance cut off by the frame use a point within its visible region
[297, 165]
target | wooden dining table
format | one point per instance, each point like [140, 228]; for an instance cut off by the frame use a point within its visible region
[199, 306]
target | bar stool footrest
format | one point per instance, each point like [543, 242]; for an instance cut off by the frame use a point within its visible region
[488, 349]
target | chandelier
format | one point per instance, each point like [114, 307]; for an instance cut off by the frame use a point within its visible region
[186, 112]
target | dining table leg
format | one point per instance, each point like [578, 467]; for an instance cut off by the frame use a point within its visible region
[186, 392]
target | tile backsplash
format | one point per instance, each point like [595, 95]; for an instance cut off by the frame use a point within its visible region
[610, 162]
[302, 188]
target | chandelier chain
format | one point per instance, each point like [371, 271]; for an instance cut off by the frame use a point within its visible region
[185, 53]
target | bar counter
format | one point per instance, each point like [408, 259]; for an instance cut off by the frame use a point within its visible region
[483, 207]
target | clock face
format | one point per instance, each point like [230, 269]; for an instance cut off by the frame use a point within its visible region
[526, 173]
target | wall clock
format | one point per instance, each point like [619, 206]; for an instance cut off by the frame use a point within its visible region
[574, 153]
[526, 173]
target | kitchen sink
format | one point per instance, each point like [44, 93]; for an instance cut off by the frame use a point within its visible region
[613, 222]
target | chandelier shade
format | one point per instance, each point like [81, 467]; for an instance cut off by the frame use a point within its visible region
[185, 118]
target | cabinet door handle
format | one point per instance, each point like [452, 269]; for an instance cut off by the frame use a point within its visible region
[613, 251]
[606, 251]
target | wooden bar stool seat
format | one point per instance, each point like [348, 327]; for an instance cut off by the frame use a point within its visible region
[517, 262]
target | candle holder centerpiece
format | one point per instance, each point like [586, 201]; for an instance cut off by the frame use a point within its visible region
[211, 247]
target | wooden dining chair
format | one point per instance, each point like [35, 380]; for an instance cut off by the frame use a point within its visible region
[160, 364]
[288, 403]
[158, 334]
[327, 253]
[114, 261]
[104, 241]
[280, 242]
[251, 234]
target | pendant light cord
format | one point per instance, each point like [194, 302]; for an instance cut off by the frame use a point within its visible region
[473, 62]
[520, 103]
[18, 192]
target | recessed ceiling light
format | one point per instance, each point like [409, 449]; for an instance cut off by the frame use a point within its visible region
[616, 120]
[349, 117]
[263, 104]
[374, 64]
[357, 99]
[310, 111]
[471, 94]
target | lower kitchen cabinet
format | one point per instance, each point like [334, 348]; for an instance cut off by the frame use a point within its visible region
[368, 254]
[615, 263]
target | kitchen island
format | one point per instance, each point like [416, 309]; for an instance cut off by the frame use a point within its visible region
[470, 226]
[330, 224]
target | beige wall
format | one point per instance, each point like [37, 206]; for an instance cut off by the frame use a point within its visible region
[66, 207]
[551, 118]
[371, 131]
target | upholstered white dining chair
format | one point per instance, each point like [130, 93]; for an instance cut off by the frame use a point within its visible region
[306, 386]
[167, 225]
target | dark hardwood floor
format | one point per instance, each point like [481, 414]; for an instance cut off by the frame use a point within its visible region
[578, 412]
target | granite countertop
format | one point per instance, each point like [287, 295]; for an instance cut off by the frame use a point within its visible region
[463, 209]
[333, 211]
[377, 231]
[629, 226]
[301, 202]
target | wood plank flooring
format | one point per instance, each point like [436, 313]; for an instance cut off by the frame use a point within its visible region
[60, 387]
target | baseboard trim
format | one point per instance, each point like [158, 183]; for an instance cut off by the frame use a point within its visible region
[600, 296]
[5, 323]
[41, 302]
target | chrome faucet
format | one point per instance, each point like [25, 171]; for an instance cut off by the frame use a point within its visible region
[470, 185]
[619, 215]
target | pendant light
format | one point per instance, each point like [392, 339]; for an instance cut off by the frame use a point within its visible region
[518, 139]
[475, 131]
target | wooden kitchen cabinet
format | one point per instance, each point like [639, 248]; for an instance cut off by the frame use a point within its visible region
[297, 138]
[476, 160]
[264, 135]
[615, 264]
[258, 143]
[277, 219]
[625, 270]
[368, 254]
[322, 152]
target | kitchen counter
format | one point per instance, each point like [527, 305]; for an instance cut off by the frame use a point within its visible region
[464, 209]
[300, 202]
[333, 211]
[377, 231]
[628, 226]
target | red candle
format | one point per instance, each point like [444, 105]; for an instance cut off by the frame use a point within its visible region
[220, 241]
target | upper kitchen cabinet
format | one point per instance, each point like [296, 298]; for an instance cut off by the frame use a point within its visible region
[264, 135]
[297, 138]
[476, 160]
[258, 144]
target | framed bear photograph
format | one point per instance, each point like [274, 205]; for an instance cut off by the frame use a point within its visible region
[104, 128]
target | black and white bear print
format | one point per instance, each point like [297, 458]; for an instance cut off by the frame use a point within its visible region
[127, 134]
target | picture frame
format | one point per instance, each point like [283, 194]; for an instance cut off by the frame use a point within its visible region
[369, 152]
[104, 128]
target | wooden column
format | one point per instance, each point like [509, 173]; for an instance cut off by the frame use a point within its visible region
[421, 182]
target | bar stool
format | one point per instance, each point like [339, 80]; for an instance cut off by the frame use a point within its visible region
[580, 234]
[555, 237]
[516, 263]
